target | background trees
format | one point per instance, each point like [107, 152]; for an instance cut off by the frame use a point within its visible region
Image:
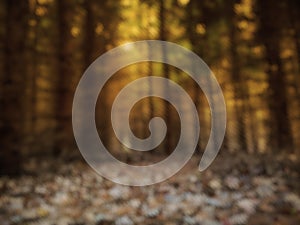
[251, 46]
[13, 78]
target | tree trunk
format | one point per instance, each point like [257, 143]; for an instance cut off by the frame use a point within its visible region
[150, 89]
[294, 14]
[89, 43]
[191, 30]
[64, 139]
[239, 87]
[278, 99]
[12, 87]
[166, 74]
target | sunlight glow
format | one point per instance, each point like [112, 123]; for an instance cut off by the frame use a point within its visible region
[75, 31]
[183, 2]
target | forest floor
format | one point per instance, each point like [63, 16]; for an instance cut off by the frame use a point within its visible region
[236, 189]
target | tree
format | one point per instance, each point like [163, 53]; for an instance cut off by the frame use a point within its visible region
[65, 72]
[166, 73]
[12, 87]
[240, 89]
[294, 13]
[90, 35]
[191, 22]
[270, 36]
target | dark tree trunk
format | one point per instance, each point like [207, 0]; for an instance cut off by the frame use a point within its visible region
[166, 74]
[31, 81]
[90, 26]
[191, 30]
[150, 89]
[293, 10]
[294, 14]
[278, 99]
[64, 139]
[12, 87]
[240, 89]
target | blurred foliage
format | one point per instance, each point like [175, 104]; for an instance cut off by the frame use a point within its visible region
[253, 47]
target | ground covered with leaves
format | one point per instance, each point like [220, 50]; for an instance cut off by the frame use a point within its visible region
[237, 189]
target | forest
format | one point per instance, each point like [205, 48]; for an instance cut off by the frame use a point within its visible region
[251, 46]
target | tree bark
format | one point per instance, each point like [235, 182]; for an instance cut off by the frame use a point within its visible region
[12, 87]
[64, 139]
[239, 87]
[166, 74]
[191, 25]
[89, 43]
[270, 33]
